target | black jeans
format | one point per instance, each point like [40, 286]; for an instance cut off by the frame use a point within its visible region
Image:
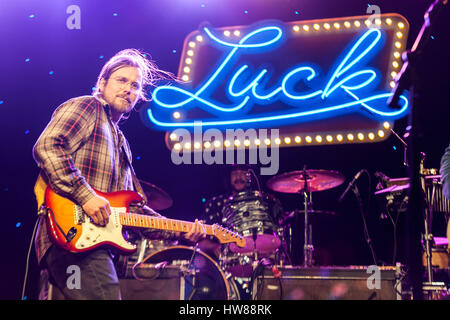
[83, 276]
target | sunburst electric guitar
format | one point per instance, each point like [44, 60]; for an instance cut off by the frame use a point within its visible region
[73, 230]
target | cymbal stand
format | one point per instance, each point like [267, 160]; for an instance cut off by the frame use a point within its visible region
[427, 236]
[308, 248]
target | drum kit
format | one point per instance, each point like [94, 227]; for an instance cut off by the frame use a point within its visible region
[273, 237]
[250, 213]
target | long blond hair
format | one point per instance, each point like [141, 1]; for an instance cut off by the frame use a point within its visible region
[151, 74]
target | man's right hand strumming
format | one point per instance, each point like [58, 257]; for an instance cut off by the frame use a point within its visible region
[98, 209]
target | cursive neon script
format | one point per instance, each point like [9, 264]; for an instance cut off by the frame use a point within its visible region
[349, 87]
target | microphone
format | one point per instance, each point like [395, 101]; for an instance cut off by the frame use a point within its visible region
[350, 185]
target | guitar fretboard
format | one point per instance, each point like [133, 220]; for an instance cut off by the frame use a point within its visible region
[143, 221]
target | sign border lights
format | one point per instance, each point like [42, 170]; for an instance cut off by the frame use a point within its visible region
[350, 86]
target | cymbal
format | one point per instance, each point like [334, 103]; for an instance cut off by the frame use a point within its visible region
[157, 198]
[294, 182]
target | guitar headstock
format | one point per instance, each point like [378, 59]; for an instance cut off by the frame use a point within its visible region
[227, 236]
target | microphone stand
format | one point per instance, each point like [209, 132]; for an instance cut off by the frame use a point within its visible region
[363, 216]
[308, 247]
[409, 78]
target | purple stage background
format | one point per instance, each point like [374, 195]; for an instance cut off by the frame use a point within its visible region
[44, 63]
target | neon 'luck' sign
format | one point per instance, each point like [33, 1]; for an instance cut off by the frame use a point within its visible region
[349, 86]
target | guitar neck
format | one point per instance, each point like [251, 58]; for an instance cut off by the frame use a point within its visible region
[143, 221]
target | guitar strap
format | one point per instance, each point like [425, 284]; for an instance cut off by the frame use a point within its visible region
[137, 184]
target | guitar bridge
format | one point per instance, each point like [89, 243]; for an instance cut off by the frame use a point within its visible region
[78, 213]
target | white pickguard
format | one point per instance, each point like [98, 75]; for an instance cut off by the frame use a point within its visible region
[92, 235]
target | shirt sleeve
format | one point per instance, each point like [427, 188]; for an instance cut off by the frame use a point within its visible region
[70, 127]
[445, 172]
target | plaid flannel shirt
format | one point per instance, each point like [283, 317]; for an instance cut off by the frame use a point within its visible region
[81, 149]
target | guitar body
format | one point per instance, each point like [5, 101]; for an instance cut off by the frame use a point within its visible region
[71, 229]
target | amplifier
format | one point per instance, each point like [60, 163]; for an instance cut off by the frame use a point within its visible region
[150, 283]
[329, 283]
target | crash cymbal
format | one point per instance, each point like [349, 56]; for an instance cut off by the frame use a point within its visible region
[157, 198]
[294, 182]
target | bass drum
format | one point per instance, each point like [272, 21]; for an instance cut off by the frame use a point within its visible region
[210, 282]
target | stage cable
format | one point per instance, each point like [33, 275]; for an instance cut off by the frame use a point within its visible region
[28, 258]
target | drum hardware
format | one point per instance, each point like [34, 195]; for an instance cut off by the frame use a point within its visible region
[305, 182]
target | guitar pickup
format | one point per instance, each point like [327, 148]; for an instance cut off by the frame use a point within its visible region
[78, 214]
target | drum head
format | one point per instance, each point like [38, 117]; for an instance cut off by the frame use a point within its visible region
[210, 281]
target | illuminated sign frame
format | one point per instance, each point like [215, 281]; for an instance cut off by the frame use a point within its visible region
[235, 38]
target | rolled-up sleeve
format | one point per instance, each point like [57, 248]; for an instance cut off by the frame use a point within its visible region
[71, 125]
